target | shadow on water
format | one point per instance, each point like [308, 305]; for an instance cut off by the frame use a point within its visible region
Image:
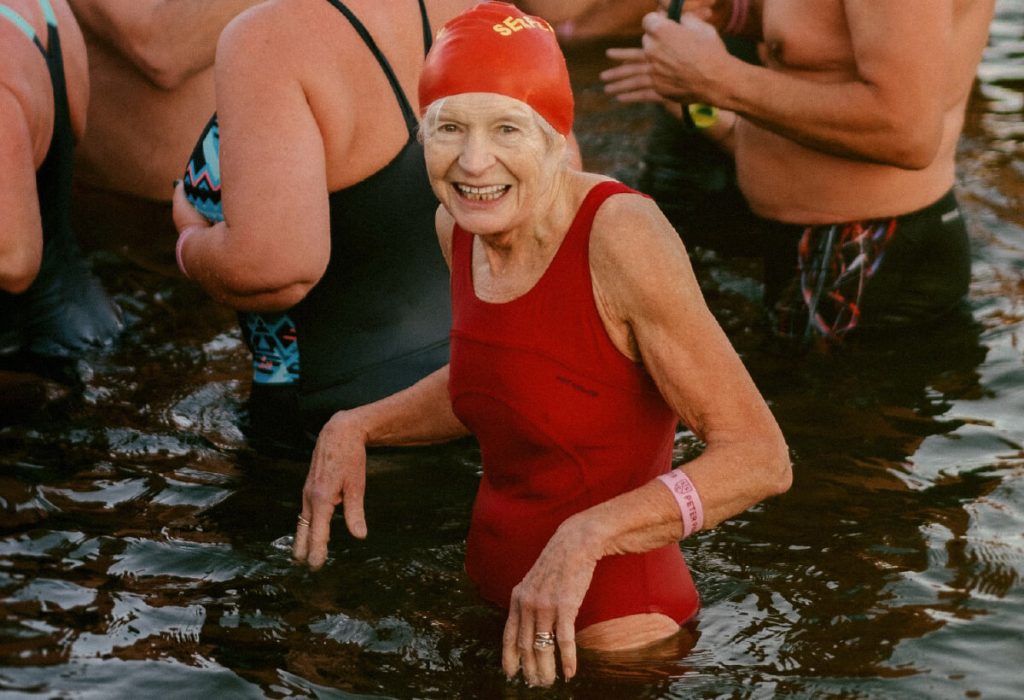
[144, 544]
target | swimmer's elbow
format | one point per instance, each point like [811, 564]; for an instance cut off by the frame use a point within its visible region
[771, 454]
[267, 300]
[19, 271]
[287, 297]
[780, 469]
[914, 149]
[911, 138]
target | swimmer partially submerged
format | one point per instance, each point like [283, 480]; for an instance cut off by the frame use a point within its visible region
[579, 341]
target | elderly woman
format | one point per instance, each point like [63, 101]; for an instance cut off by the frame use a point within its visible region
[579, 340]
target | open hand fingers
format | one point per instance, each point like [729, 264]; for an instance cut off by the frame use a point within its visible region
[632, 54]
[630, 82]
[510, 654]
[634, 65]
[355, 517]
[544, 649]
[319, 536]
[313, 530]
[337, 474]
[565, 635]
[300, 547]
[530, 643]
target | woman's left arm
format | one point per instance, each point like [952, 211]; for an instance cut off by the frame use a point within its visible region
[654, 311]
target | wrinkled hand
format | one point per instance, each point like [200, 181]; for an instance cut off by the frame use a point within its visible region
[337, 474]
[631, 80]
[548, 600]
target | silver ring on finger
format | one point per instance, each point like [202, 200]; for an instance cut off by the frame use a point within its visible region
[543, 640]
[303, 522]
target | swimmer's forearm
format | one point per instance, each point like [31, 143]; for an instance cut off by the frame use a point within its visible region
[887, 106]
[851, 119]
[634, 522]
[419, 415]
[728, 481]
[222, 265]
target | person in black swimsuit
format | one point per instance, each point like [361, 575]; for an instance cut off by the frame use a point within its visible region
[51, 305]
[357, 273]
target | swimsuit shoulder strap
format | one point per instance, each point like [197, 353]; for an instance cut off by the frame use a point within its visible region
[428, 36]
[403, 102]
[26, 28]
[48, 13]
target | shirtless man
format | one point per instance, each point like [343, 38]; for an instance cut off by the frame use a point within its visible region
[844, 142]
[151, 67]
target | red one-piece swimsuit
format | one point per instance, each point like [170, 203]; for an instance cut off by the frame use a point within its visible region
[564, 421]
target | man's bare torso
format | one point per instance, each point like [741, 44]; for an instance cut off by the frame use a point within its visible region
[811, 39]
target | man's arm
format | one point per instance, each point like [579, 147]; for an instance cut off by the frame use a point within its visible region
[890, 110]
[167, 40]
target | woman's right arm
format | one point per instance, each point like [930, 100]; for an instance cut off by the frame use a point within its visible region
[274, 243]
[419, 415]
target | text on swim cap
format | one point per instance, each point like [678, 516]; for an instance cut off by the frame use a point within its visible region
[517, 24]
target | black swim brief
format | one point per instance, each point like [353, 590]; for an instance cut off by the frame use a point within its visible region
[872, 274]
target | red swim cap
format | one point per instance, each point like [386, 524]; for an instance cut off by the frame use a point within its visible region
[495, 47]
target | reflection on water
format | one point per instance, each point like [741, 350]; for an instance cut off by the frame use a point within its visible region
[144, 545]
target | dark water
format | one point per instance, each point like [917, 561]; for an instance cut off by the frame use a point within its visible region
[144, 544]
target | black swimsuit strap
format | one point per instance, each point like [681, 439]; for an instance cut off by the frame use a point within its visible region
[428, 37]
[407, 112]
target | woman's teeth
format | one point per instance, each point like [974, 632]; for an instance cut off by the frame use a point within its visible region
[482, 193]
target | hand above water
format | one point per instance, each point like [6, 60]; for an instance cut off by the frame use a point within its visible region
[548, 600]
[337, 474]
[677, 63]
[419, 415]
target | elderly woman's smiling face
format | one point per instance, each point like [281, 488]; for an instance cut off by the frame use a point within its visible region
[492, 160]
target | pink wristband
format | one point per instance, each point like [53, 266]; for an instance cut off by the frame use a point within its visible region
[185, 233]
[738, 19]
[687, 499]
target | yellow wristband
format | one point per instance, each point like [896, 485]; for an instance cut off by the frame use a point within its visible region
[700, 116]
